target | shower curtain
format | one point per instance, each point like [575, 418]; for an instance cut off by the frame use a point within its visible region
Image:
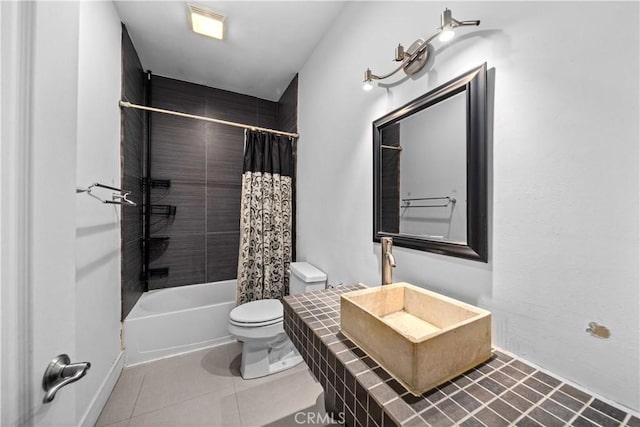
[265, 217]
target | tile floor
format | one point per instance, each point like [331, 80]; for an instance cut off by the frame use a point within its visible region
[204, 388]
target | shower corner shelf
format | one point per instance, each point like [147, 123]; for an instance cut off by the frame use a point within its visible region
[157, 183]
[164, 210]
[155, 273]
[153, 240]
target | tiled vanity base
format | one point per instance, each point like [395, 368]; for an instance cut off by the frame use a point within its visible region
[501, 392]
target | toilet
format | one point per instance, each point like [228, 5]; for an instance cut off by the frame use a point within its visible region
[266, 349]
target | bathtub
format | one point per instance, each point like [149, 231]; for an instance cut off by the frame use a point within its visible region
[171, 321]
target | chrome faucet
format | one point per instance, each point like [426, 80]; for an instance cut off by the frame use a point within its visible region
[388, 261]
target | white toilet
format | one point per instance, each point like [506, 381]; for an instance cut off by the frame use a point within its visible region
[266, 349]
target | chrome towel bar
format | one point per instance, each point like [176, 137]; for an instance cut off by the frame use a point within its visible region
[121, 198]
[406, 203]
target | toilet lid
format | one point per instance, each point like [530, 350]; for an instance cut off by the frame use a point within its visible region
[261, 311]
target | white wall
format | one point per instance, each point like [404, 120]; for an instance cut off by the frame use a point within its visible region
[564, 199]
[98, 225]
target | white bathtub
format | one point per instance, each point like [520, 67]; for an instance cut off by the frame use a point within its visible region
[171, 321]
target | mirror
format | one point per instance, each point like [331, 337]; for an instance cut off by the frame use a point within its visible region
[430, 170]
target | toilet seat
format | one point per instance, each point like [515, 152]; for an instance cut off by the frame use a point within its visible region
[256, 324]
[257, 314]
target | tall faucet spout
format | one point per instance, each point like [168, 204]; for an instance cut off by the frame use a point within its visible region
[388, 260]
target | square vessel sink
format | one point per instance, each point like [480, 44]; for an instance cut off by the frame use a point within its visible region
[420, 337]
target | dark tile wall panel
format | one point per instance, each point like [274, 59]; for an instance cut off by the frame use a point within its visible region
[288, 122]
[267, 114]
[176, 95]
[222, 255]
[223, 207]
[131, 288]
[133, 73]
[132, 144]
[230, 106]
[131, 224]
[132, 155]
[178, 147]
[504, 391]
[225, 145]
[189, 197]
[184, 255]
[204, 163]
[288, 108]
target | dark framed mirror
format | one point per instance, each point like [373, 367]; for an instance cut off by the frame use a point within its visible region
[430, 170]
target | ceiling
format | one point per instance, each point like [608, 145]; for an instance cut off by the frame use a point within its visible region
[266, 43]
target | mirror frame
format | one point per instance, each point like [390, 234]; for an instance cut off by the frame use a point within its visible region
[474, 82]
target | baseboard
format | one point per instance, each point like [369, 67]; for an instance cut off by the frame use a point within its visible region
[100, 399]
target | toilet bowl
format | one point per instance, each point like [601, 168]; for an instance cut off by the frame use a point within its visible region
[266, 349]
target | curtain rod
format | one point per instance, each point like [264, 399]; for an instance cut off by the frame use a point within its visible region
[127, 104]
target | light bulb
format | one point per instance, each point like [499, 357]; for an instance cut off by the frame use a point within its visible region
[446, 34]
[368, 80]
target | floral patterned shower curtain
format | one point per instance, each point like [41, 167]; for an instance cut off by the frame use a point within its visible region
[265, 217]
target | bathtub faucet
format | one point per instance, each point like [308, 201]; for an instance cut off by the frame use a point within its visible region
[388, 260]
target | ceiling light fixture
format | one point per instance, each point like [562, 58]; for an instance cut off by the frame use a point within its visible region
[206, 22]
[415, 57]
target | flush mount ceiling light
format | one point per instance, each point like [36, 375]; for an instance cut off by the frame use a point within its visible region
[413, 59]
[206, 22]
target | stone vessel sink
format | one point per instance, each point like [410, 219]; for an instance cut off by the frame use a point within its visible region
[420, 337]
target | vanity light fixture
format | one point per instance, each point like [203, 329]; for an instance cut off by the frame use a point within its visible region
[415, 57]
[368, 80]
[206, 22]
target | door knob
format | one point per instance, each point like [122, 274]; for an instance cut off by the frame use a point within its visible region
[61, 372]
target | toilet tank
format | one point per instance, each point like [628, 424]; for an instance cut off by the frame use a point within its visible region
[305, 277]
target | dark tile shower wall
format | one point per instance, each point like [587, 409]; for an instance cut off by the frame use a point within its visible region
[131, 152]
[288, 108]
[204, 163]
[288, 122]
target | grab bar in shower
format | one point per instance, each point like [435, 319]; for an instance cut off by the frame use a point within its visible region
[120, 198]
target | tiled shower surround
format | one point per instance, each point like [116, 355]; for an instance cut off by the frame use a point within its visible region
[500, 392]
[203, 162]
[200, 165]
[132, 152]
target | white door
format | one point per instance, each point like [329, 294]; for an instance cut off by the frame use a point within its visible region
[38, 178]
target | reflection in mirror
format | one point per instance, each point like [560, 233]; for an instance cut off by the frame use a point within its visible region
[430, 170]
